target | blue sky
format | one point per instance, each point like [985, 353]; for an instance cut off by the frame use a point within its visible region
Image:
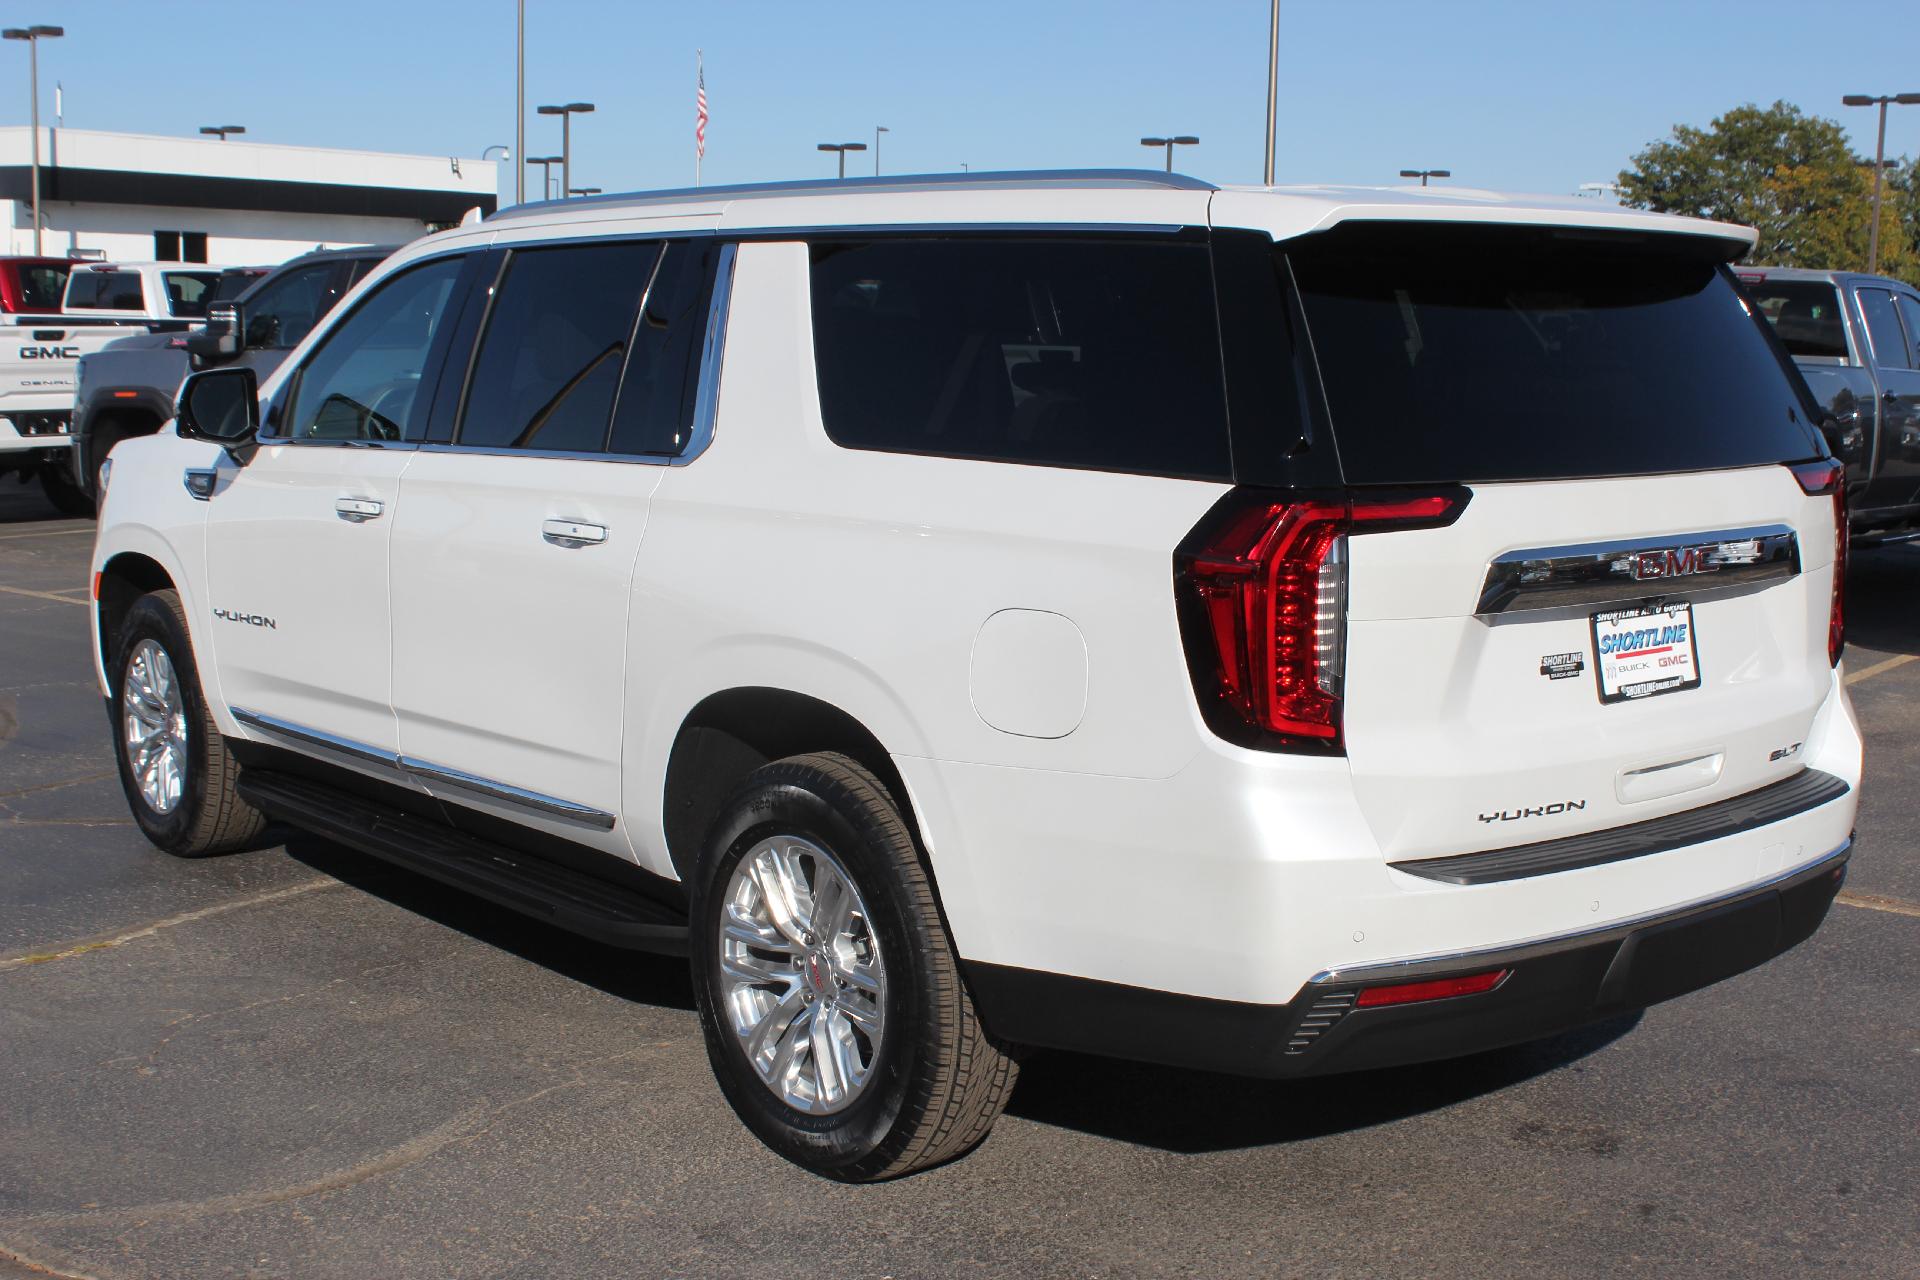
[1535, 96]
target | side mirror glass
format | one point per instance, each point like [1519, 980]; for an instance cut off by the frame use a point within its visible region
[221, 405]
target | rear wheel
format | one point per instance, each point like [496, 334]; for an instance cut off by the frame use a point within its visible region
[174, 763]
[61, 490]
[834, 1013]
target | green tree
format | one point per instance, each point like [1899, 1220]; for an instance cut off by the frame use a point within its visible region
[1790, 176]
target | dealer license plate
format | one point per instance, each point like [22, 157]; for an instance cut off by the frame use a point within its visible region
[1645, 650]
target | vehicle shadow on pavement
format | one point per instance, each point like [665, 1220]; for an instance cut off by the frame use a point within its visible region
[1195, 1112]
[629, 975]
[1883, 604]
[24, 504]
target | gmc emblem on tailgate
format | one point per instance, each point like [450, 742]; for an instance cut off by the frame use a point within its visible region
[1674, 562]
[49, 353]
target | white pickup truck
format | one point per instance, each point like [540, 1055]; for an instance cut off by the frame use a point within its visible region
[103, 301]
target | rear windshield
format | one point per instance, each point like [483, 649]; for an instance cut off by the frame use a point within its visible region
[105, 291]
[1464, 354]
[1805, 314]
[42, 285]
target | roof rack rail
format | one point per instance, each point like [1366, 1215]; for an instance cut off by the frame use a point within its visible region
[1010, 179]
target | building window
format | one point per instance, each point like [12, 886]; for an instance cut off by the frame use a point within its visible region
[180, 246]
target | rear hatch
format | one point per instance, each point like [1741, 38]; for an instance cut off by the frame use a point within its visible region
[1630, 615]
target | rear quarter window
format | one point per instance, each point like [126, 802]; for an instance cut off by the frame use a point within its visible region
[1098, 354]
[1486, 354]
[106, 291]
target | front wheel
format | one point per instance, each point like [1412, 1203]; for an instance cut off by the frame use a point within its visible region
[834, 1013]
[174, 764]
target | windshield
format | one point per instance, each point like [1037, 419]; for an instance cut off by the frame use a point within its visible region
[1488, 353]
[1805, 314]
[188, 292]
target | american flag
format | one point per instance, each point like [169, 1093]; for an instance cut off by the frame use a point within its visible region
[700, 115]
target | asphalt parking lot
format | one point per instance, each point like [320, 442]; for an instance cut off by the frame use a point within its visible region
[298, 1062]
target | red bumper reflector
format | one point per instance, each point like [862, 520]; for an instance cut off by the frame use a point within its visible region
[1437, 989]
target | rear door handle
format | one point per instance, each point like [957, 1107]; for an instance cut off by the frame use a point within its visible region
[358, 510]
[573, 533]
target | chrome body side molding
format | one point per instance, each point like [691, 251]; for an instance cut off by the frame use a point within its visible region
[318, 742]
[1598, 573]
[533, 802]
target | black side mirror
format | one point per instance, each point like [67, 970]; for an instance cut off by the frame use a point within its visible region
[220, 405]
[220, 337]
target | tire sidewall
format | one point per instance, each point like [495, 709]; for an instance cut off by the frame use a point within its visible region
[796, 807]
[152, 617]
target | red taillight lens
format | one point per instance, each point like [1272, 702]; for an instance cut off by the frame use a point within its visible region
[1263, 592]
[1437, 989]
[1830, 477]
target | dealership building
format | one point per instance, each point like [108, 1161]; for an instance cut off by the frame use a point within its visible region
[129, 197]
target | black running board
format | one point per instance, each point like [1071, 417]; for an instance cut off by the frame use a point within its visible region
[572, 900]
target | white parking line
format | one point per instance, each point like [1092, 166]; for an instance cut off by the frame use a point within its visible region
[1878, 902]
[45, 533]
[42, 595]
[1899, 660]
[148, 930]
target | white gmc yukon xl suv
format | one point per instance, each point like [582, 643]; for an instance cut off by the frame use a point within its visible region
[1262, 630]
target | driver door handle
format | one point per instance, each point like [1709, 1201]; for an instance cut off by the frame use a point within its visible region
[573, 533]
[358, 510]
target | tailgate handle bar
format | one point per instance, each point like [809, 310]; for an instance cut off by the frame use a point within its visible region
[1597, 573]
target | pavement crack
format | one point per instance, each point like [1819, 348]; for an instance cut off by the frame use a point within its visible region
[55, 786]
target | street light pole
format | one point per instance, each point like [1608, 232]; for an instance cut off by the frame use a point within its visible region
[566, 114]
[1273, 88]
[1183, 140]
[877, 131]
[1424, 174]
[520, 101]
[842, 148]
[546, 164]
[1879, 160]
[33, 36]
[222, 130]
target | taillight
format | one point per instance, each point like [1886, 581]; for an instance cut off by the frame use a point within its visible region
[1262, 588]
[1830, 477]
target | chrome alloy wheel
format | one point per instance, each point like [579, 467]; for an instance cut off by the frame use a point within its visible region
[154, 713]
[802, 975]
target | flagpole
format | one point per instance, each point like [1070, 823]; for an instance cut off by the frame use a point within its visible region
[700, 76]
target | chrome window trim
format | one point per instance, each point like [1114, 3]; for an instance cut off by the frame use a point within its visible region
[1516, 952]
[1596, 573]
[360, 752]
[534, 802]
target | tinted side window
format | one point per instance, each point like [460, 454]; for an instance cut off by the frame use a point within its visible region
[284, 312]
[41, 287]
[361, 382]
[1910, 312]
[1068, 352]
[188, 292]
[106, 291]
[549, 362]
[1804, 313]
[655, 410]
[1883, 327]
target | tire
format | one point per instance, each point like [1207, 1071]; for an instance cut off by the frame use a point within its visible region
[66, 496]
[198, 812]
[933, 1082]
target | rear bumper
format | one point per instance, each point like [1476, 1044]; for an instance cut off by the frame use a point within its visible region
[1552, 985]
